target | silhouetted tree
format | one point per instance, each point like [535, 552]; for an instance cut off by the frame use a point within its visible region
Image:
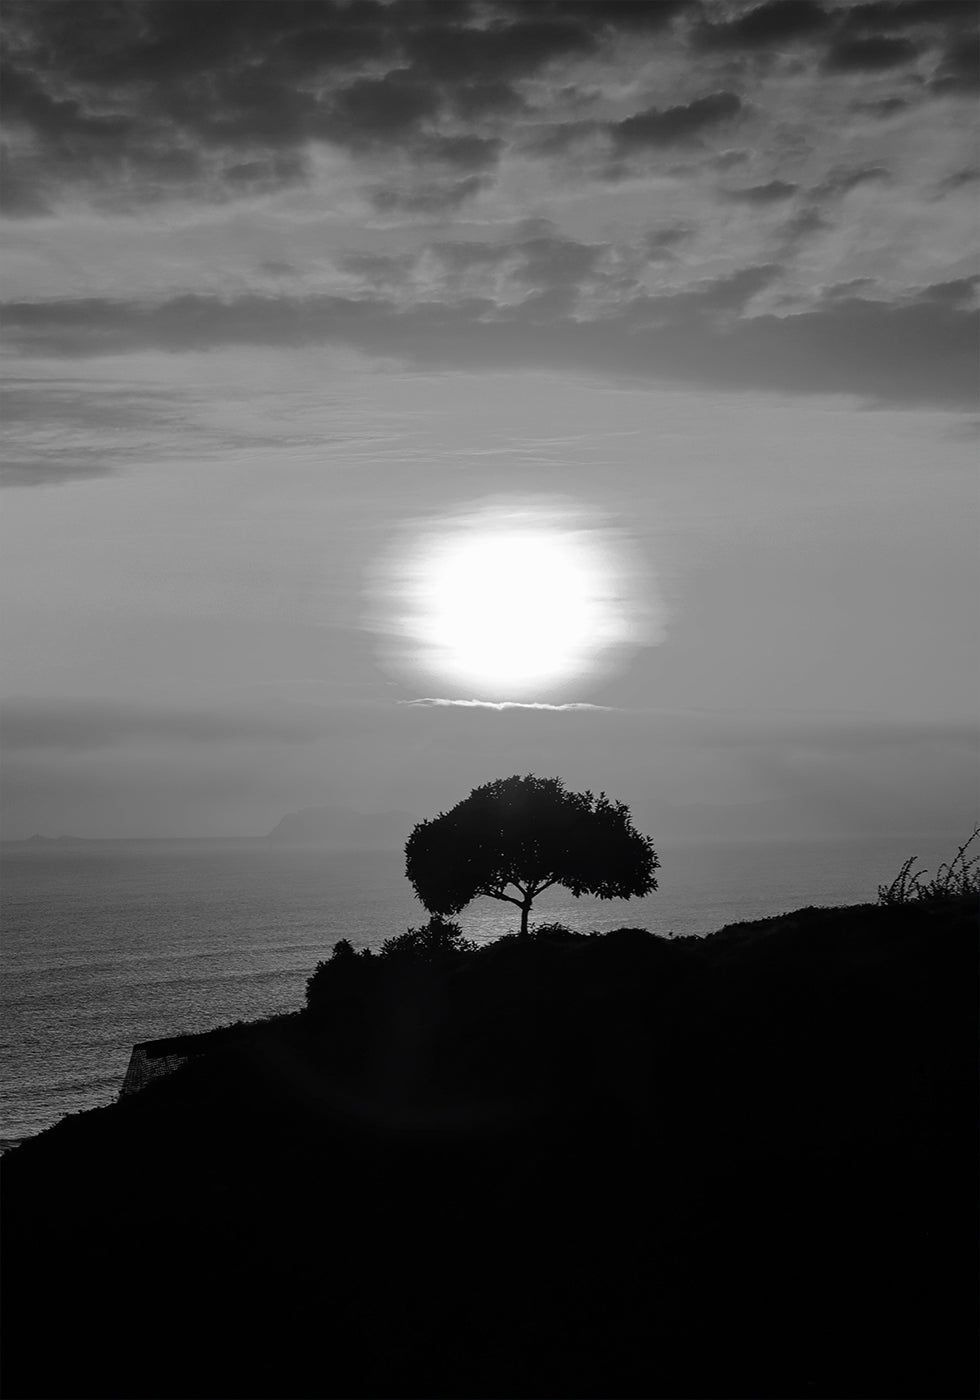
[528, 834]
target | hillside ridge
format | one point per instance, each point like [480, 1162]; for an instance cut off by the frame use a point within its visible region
[612, 1165]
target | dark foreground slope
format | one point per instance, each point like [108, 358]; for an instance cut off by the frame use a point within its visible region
[608, 1167]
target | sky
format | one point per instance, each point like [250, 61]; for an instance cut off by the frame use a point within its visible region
[666, 312]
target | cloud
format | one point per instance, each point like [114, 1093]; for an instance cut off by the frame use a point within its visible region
[838, 291]
[660, 244]
[958, 180]
[559, 138]
[960, 293]
[802, 226]
[483, 99]
[556, 262]
[773, 192]
[883, 107]
[62, 430]
[267, 172]
[78, 725]
[887, 16]
[871, 55]
[20, 197]
[462, 152]
[958, 70]
[627, 16]
[141, 98]
[840, 182]
[379, 109]
[433, 198]
[672, 126]
[879, 37]
[59, 471]
[654, 128]
[729, 293]
[153, 100]
[778, 22]
[451, 52]
[917, 349]
[502, 704]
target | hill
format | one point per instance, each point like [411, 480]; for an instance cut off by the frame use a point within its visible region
[576, 1166]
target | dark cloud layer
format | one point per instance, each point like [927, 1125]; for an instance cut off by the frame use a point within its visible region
[920, 350]
[877, 37]
[73, 726]
[134, 100]
[225, 101]
[176, 91]
[671, 126]
[868, 55]
[776, 22]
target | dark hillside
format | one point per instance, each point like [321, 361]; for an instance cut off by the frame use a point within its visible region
[608, 1166]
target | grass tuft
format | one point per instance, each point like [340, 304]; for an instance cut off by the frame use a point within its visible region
[954, 879]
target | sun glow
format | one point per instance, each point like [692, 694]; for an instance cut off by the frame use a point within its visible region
[510, 600]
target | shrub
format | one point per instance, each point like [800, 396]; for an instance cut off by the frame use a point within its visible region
[954, 879]
[338, 975]
[433, 942]
[343, 951]
[624, 935]
[556, 933]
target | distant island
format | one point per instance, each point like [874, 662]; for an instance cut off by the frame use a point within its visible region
[340, 828]
[38, 840]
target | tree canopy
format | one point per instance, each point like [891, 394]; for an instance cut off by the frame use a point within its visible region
[515, 837]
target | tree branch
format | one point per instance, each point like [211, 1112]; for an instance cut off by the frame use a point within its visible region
[499, 894]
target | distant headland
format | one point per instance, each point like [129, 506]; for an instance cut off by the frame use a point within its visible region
[38, 840]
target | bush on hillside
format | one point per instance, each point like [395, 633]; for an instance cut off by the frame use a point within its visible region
[339, 975]
[955, 879]
[435, 942]
[556, 933]
[623, 936]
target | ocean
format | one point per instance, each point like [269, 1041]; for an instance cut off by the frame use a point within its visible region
[109, 943]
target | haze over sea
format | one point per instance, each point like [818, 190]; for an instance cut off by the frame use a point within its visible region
[112, 942]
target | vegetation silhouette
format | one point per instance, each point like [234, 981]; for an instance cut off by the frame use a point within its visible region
[558, 1164]
[528, 834]
[958, 878]
[429, 943]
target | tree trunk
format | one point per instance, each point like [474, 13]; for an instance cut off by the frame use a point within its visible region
[525, 910]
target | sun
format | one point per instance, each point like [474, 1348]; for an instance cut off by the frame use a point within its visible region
[510, 601]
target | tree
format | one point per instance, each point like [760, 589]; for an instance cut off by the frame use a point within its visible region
[528, 834]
